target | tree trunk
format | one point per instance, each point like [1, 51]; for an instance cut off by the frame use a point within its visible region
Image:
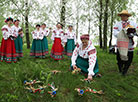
[77, 23]
[100, 24]
[63, 11]
[111, 29]
[105, 24]
[89, 27]
[27, 25]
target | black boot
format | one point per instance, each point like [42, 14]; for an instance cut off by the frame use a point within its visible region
[120, 67]
[125, 69]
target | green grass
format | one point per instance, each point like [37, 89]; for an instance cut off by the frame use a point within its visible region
[116, 87]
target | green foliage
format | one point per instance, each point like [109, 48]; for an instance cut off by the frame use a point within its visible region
[116, 87]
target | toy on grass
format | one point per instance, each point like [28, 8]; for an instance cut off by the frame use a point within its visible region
[80, 91]
[31, 82]
[53, 91]
[55, 71]
[40, 89]
[93, 91]
[76, 71]
[31, 88]
[98, 75]
[86, 80]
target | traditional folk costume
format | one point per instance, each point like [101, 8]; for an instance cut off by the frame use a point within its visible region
[57, 48]
[7, 49]
[85, 59]
[45, 32]
[18, 41]
[125, 44]
[38, 49]
[70, 39]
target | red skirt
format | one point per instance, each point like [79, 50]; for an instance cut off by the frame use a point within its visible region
[57, 50]
[7, 51]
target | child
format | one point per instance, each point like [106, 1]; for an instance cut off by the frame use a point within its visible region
[37, 50]
[57, 48]
[18, 41]
[70, 41]
[7, 49]
[45, 41]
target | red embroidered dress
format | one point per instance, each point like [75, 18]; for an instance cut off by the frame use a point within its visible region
[57, 48]
[7, 49]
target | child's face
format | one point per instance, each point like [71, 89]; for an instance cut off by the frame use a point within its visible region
[58, 26]
[9, 22]
[70, 28]
[43, 26]
[37, 27]
[17, 23]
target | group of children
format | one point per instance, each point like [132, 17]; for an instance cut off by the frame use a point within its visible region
[83, 56]
[12, 44]
[63, 43]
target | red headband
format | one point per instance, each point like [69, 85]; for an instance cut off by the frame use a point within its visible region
[9, 18]
[85, 36]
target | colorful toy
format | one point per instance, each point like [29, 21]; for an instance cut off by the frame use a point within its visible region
[80, 91]
[53, 91]
[85, 80]
[98, 75]
[55, 71]
[31, 88]
[31, 82]
[93, 91]
[76, 71]
[34, 90]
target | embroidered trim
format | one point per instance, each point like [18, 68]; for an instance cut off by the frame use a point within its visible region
[92, 52]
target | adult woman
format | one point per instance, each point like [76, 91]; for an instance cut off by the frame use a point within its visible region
[37, 50]
[7, 49]
[84, 57]
[70, 41]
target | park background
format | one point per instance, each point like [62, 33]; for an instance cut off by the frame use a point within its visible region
[95, 17]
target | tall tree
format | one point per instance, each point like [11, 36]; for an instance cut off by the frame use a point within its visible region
[105, 24]
[63, 12]
[27, 24]
[100, 23]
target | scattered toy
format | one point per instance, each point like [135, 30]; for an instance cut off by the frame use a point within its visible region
[31, 88]
[80, 91]
[55, 71]
[53, 91]
[76, 71]
[98, 75]
[86, 80]
[93, 91]
[31, 82]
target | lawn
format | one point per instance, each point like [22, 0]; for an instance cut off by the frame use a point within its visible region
[117, 88]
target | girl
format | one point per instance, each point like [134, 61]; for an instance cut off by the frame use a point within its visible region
[37, 50]
[18, 41]
[45, 41]
[7, 49]
[57, 48]
[70, 41]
